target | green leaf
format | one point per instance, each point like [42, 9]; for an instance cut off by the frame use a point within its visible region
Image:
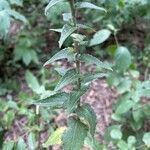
[116, 134]
[93, 143]
[51, 4]
[146, 139]
[67, 17]
[55, 137]
[8, 145]
[137, 113]
[89, 5]
[122, 58]
[74, 99]
[4, 5]
[88, 77]
[124, 106]
[17, 15]
[32, 81]
[4, 23]
[99, 37]
[89, 59]
[66, 53]
[88, 116]
[131, 141]
[54, 101]
[31, 141]
[16, 2]
[73, 137]
[107, 135]
[21, 144]
[122, 145]
[68, 78]
[67, 30]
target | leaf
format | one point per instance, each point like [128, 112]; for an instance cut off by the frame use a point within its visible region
[89, 5]
[31, 141]
[88, 77]
[66, 53]
[74, 99]
[51, 4]
[99, 37]
[67, 17]
[4, 23]
[16, 2]
[21, 144]
[89, 59]
[137, 113]
[122, 145]
[67, 30]
[93, 143]
[32, 81]
[54, 101]
[4, 5]
[17, 15]
[122, 58]
[116, 134]
[73, 137]
[107, 135]
[131, 141]
[61, 71]
[146, 139]
[8, 145]
[88, 116]
[55, 137]
[124, 106]
[68, 78]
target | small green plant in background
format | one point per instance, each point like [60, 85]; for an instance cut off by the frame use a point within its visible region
[131, 114]
[81, 117]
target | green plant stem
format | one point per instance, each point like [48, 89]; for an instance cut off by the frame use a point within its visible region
[76, 44]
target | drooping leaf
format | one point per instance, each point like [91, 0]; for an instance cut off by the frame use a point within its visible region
[99, 37]
[89, 5]
[88, 116]
[122, 58]
[32, 81]
[124, 106]
[146, 139]
[31, 141]
[73, 137]
[51, 4]
[66, 53]
[89, 59]
[55, 137]
[69, 77]
[54, 101]
[21, 144]
[74, 99]
[67, 30]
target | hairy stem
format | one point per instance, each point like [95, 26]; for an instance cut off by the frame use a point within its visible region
[76, 44]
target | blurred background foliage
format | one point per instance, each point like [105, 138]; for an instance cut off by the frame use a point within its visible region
[26, 43]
